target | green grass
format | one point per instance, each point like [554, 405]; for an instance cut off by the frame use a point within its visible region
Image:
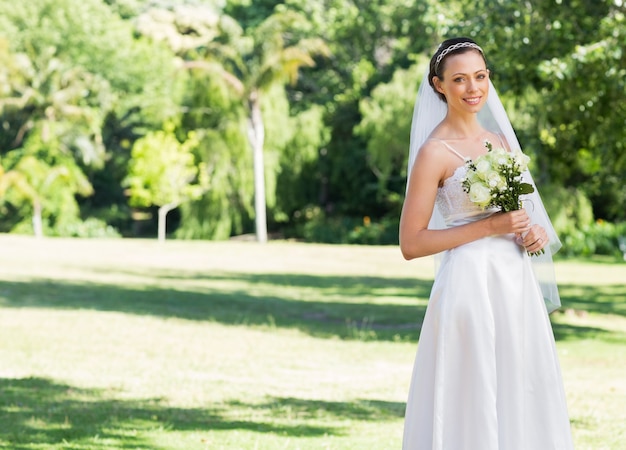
[132, 344]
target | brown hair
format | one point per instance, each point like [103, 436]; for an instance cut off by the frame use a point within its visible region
[449, 47]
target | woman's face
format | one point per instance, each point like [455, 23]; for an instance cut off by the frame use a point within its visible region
[465, 81]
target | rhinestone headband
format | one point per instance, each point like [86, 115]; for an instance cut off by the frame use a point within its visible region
[453, 48]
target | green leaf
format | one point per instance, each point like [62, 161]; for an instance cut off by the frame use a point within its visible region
[526, 188]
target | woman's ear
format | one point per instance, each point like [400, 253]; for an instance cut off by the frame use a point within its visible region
[437, 84]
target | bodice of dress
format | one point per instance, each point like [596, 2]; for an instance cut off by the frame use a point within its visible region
[454, 203]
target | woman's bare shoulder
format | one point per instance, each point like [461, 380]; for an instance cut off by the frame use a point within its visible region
[431, 148]
[430, 162]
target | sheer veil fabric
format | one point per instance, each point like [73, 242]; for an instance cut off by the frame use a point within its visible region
[428, 112]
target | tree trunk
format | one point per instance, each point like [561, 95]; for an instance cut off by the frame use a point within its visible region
[256, 136]
[163, 210]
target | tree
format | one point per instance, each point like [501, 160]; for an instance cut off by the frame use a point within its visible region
[252, 65]
[163, 172]
[369, 41]
[386, 125]
[52, 94]
[561, 71]
[583, 128]
[87, 34]
[298, 181]
[79, 70]
[41, 183]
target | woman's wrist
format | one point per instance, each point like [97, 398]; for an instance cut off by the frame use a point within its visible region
[488, 226]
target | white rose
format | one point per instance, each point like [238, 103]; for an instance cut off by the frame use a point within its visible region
[472, 177]
[500, 153]
[483, 165]
[479, 194]
[495, 180]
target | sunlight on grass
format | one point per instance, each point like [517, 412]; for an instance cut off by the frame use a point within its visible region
[128, 344]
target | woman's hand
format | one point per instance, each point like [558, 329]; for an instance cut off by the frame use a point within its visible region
[516, 222]
[534, 240]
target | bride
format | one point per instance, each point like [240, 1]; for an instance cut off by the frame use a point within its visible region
[486, 373]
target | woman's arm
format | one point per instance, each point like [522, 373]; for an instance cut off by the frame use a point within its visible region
[416, 240]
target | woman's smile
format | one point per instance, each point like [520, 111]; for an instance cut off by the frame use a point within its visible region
[473, 100]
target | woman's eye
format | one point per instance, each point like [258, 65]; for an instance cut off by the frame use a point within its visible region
[481, 76]
[458, 80]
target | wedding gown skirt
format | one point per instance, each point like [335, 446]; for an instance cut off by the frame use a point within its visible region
[486, 374]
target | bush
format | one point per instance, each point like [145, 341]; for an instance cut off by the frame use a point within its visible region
[572, 216]
[90, 228]
[384, 232]
[599, 238]
[317, 227]
[569, 208]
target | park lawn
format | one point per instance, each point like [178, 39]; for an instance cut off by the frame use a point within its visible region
[132, 344]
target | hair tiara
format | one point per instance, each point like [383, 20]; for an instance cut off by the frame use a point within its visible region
[453, 48]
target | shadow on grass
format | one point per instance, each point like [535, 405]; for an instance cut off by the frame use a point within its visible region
[602, 299]
[579, 300]
[605, 299]
[300, 301]
[372, 410]
[347, 307]
[39, 412]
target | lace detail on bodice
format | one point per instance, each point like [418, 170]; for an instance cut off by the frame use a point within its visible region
[454, 203]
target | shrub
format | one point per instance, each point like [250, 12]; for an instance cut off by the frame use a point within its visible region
[569, 208]
[318, 227]
[599, 238]
[90, 228]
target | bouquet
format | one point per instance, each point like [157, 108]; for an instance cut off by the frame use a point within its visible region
[494, 180]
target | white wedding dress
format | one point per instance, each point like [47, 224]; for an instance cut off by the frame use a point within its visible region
[486, 373]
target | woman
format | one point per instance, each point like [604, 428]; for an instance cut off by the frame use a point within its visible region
[486, 373]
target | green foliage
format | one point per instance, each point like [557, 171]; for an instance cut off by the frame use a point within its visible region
[382, 232]
[163, 171]
[87, 34]
[319, 227]
[335, 82]
[218, 118]
[350, 187]
[569, 208]
[250, 13]
[573, 219]
[298, 182]
[226, 207]
[588, 83]
[386, 127]
[565, 67]
[65, 105]
[599, 238]
[42, 193]
[77, 76]
[381, 33]
[89, 228]
[368, 42]
[278, 131]
[130, 9]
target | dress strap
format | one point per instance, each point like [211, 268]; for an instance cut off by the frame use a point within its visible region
[450, 148]
[501, 140]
